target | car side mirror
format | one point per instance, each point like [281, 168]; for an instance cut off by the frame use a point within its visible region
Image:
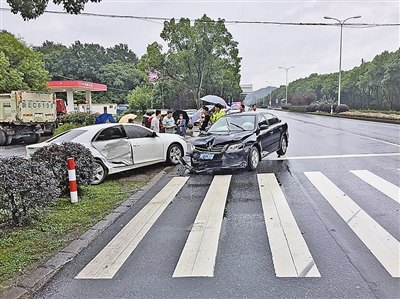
[154, 134]
[263, 127]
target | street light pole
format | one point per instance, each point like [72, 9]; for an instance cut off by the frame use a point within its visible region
[270, 92]
[286, 69]
[340, 49]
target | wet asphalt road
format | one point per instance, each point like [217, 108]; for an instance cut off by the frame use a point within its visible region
[244, 267]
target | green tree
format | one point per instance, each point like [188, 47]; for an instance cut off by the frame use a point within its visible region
[54, 57]
[122, 53]
[391, 80]
[201, 59]
[20, 66]
[115, 67]
[141, 97]
[121, 78]
[31, 9]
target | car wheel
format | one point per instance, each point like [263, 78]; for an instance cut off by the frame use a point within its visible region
[3, 138]
[282, 150]
[174, 153]
[99, 172]
[254, 159]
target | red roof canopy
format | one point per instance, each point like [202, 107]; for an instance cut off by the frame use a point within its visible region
[75, 85]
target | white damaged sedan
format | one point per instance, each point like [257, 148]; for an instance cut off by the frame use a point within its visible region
[118, 147]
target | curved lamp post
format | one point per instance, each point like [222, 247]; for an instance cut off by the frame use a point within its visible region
[270, 92]
[340, 50]
[286, 69]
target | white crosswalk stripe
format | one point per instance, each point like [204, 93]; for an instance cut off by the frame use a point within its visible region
[111, 258]
[200, 251]
[382, 185]
[381, 243]
[291, 256]
[290, 253]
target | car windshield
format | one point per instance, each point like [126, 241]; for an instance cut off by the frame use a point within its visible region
[65, 137]
[232, 123]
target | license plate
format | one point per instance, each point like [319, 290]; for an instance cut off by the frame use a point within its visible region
[206, 156]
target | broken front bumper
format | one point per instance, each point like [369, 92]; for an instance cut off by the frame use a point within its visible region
[208, 161]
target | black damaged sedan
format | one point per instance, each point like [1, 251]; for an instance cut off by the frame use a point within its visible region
[239, 140]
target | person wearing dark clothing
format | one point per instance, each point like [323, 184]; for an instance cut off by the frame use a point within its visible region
[181, 125]
[206, 120]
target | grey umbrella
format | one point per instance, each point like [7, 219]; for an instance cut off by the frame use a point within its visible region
[214, 99]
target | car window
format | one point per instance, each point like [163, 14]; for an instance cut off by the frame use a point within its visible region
[262, 120]
[272, 119]
[114, 132]
[233, 123]
[150, 112]
[67, 136]
[137, 132]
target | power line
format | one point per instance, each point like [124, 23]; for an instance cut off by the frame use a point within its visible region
[358, 25]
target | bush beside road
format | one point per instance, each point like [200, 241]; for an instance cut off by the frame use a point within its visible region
[23, 250]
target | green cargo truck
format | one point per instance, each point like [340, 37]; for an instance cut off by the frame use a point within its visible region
[26, 115]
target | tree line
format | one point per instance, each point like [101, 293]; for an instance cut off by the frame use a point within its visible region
[373, 85]
[201, 58]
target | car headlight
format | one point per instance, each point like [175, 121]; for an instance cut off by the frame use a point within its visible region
[191, 146]
[234, 147]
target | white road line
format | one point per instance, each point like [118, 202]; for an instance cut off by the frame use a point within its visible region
[290, 253]
[200, 251]
[112, 257]
[382, 244]
[335, 156]
[377, 182]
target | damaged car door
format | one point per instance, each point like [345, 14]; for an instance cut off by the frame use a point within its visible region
[114, 145]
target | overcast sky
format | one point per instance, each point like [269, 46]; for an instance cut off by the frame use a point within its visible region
[263, 47]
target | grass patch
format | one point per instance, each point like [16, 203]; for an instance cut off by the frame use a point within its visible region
[372, 114]
[377, 111]
[22, 248]
[385, 115]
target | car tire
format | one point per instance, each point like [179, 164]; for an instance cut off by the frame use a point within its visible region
[3, 138]
[254, 159]
[174, 153]
[99, 172]
[283, 146]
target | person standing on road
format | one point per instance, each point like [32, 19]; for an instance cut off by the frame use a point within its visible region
[218, 112]
[181, 125]
[155, 122]
[205, 120]
[169, 123]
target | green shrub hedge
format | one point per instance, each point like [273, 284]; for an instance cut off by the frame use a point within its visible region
[26, 188]
[54, 157]
[79, 118]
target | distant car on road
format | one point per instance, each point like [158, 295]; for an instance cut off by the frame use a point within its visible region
[118, 147]
[121, 108]
[239, 140]
[235, 107]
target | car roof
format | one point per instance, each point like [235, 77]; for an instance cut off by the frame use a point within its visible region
[102, 126]
[247, 113]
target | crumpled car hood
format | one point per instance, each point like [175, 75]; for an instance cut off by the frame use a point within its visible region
[216, 139]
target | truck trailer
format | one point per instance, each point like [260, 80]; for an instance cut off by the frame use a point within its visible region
[26, 115]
